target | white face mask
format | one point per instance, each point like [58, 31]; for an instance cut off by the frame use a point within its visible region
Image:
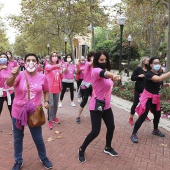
[82, 62]
[9, 56]
[31, 66]
[68, 59]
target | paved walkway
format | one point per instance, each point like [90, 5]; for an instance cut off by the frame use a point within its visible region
[151, 153]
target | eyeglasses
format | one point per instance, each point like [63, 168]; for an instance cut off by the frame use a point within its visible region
[156, 63]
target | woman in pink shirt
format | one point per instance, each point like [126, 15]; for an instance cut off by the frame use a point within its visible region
[6, 92]
[68, 79]
[80, 71]
[11, 63]
[37, 83]
[22, 64]
[53, 73]
[85, 87]
[102, 83]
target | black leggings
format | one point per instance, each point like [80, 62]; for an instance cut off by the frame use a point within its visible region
[64, 87]
[141, 119]
[79, 83]
[85, 94]
[2, 99]
[135, 102]
[96, 118]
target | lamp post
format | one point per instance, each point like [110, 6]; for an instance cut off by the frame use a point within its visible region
[129, 41]
[121, 21]
[65, 40]
[48, 47]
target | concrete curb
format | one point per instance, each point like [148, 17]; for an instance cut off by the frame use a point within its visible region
[126, 105]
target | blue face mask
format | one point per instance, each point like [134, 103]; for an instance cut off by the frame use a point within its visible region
[156, 67]
[3, 60]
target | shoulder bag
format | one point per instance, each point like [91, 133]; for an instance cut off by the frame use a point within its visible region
[38, 117]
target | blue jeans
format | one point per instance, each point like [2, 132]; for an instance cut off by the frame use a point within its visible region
[18, 141]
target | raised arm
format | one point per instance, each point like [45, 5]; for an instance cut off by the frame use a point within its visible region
[14, 73]
[161, 78]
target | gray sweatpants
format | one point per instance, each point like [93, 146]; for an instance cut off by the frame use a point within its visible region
[52, 111]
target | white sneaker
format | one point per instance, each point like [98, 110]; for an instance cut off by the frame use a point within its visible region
[79, 100]
[73, 104]
[60, 104]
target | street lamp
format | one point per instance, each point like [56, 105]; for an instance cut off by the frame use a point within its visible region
[48, 47]
[121, 21]
[65, 40]
[129, 41]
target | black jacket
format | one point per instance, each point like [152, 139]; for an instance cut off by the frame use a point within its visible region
[140, 81]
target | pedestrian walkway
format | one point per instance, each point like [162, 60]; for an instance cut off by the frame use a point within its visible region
[151, 153]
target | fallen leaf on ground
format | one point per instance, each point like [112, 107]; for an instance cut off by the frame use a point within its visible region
[57, 132]
[60, 137]
[10, 133]
[50, 139]
[163, 145]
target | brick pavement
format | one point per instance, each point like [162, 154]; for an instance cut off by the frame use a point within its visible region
[151, 153]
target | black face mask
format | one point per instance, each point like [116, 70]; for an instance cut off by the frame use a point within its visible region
[103, 65]
[147, 66]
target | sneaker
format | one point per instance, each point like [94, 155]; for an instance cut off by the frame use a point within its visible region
[60, 104]
[73, 104]
[47, 163]
[50, 125]
[110, 151]
[81, 156]
[157, 132]
[56, 120]
[131, 121]
[134, 138]
[78, 120]
[17, 166]
[147, 119]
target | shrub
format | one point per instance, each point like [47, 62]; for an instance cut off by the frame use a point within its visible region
[133, 65]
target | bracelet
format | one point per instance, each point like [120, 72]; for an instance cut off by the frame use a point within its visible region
[46, 101]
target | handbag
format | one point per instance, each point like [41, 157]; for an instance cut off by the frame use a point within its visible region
[38, 117]
[100, 104]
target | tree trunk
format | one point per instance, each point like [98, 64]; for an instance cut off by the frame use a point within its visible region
[152, 42]
[59, 39]
[168, 45]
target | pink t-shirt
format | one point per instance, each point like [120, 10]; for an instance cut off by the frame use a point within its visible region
[81, 73]
[101, 86]
[12, 64]
[38, 68]
[87, 72]
[38, 84]
[22, 63]
[69, 74]
[53, 74]
[4, 74]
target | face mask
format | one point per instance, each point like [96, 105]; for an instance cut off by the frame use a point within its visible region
[82, 62]
[103, 65]
[9, 56]
[147, 66]
[3, 60]
[31, 66]
[156, 67]
[47, 59]
[68, 59]
[54, 59]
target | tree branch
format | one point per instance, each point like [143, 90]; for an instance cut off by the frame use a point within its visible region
[165, 3]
